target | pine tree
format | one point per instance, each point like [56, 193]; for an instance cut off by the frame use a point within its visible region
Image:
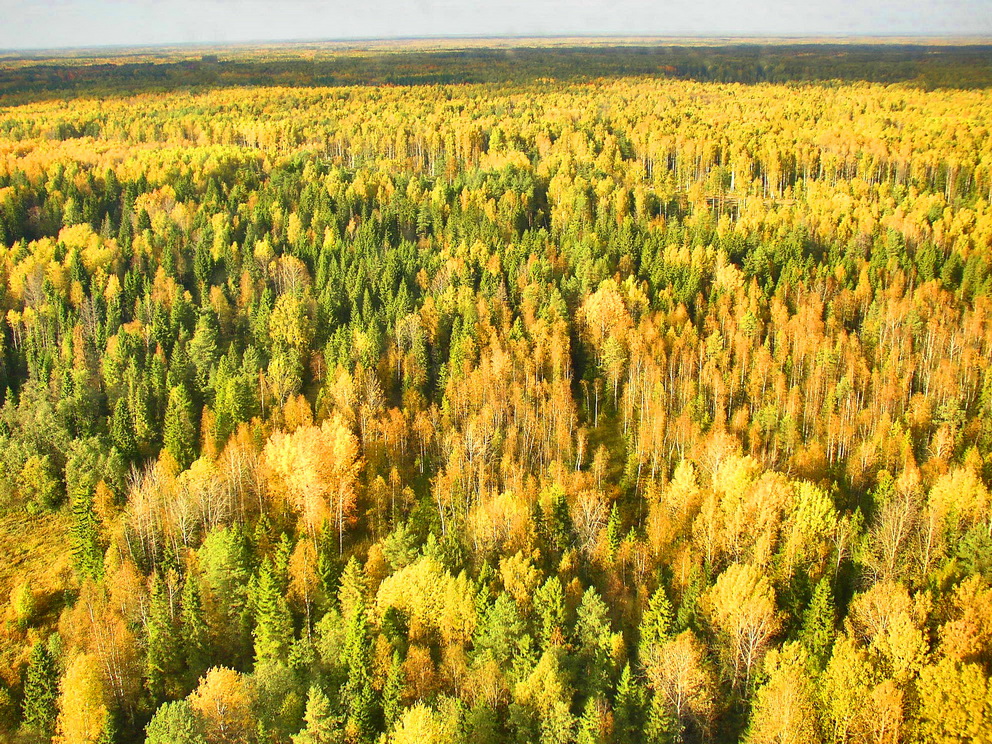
[122, 429]
[322, 725]
[629, 709]
[180, 431]
[40, 691]
[550, 602]
[160, 660]
[657, 622]
[193, 630]
[591, 724]
[85, 537]
[273, 623]
[357, 695]
[817, 631]
[204, 347]
[392, 693]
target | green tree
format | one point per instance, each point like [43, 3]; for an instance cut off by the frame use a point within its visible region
[819, 620]
[193, 630]
[322, 726]
[204, 347]
[163, 642]
[85, 535]
[273, 623]
[180, 430]
[550, 602]
[122, 429]
[40, 691]
[501, 632]
[657, 623]
[174, 723]
[628, 709]
[392, 693]
[591, 724]
[357, 695]
[595, 641]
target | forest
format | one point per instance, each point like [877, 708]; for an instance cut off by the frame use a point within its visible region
[599, 405]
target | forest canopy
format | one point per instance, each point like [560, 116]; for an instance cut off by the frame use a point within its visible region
[917, 63]
[592, 402]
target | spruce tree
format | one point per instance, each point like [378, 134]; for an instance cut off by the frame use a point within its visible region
[594, 642]
[204, 347]
[122, 428]
[180, 433]
[357, 695]
[85, 537]
[590, 725]
[657, 621]
[628, 709]
[392, 693]
[125, 233]
[273, 623]
[661, 726]
[321, 725]
[550, 601]
[40, 691]
[193, 630]
[160, 660]
[613, 527]
[817, 631]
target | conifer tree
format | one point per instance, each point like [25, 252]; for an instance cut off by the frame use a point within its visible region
[85, 536]
[550, 603]
[273, 623]
[628, 709]
[204, 347]
[321, 724]
[613, 527]
[180, 431]
[392, 693]
[657, 622]
[357, 695]
[40, 691]
[819, 619]
[193, 630]
[591, 724]
[122, 428]
[594, 642]
[160, 658]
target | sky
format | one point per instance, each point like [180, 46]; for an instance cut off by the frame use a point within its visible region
[43, 24]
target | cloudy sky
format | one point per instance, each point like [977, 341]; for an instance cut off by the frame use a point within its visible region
[67, 23]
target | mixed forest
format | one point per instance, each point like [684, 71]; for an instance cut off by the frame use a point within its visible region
[599, 408]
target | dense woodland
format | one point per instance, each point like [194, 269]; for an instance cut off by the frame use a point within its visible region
[33, 75]
[601, 411]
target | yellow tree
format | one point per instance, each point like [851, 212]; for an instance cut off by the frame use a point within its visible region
[785, 710]
[741, 609]
[83, 713]
[683, 685]
[955, 704]
[223, 701]
[316, 469]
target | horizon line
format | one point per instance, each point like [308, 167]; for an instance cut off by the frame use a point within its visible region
[949, 39]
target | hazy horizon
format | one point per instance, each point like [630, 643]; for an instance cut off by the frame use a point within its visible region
[67, 24]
